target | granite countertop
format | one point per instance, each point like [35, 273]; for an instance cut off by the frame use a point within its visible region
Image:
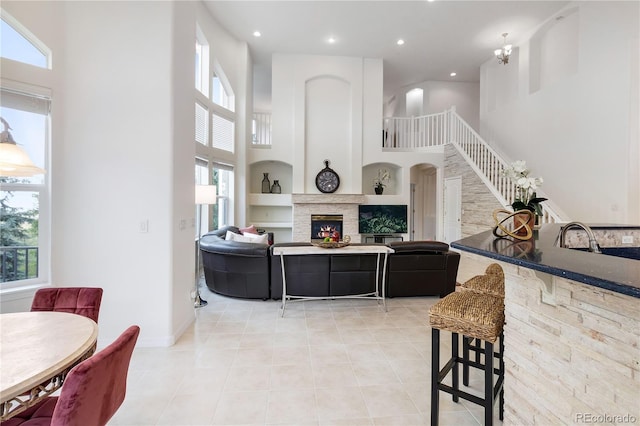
[541, 253]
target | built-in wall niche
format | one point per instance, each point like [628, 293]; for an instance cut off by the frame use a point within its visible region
[371, 172]
[277, 170]
[553, 51]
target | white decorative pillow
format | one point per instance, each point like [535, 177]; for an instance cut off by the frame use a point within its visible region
[258, 238]
[246, 238]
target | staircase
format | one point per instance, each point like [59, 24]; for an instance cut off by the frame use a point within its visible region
[416, 133]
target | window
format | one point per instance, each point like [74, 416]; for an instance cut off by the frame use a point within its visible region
[23, 200]
[222, 132]
[202, 63]
[223, 179]
[216, 215]
[18, 44]
[221, 93]
[202, 124]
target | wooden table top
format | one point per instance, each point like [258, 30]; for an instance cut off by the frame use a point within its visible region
[35, 346]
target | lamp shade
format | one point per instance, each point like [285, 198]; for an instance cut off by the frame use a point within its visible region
[14, 161]
[206, 194]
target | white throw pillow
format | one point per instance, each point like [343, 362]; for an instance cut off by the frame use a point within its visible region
[247, 238]
[258, 238]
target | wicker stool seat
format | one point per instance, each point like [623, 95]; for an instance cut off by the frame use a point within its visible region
[477, 316]
[490, 283]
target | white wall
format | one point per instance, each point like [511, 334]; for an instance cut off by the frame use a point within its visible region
[570, 109]
[304, 88]
[113, 164]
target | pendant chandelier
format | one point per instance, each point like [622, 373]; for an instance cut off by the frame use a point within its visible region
[504, 52]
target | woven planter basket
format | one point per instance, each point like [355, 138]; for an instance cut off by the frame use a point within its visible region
[476, 315]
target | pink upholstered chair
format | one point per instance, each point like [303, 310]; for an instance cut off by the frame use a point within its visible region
[83, 301]
[92, 392]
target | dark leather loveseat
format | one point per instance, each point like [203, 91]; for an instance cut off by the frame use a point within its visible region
[248, 270]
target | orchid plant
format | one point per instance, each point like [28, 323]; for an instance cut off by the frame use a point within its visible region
[526, 186]
[382, 179]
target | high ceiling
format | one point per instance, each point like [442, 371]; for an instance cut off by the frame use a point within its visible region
[441, 36]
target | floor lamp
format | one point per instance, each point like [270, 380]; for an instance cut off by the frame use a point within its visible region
[205, 194]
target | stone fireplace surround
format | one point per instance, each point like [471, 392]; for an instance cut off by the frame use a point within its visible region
[304, 205]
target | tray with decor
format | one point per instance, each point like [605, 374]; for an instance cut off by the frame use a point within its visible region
[331, 244]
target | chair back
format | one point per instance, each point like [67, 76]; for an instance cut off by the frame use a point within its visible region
[83, 301]
[94, 389]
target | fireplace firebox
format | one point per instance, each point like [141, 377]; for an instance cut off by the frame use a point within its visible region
[324, 225]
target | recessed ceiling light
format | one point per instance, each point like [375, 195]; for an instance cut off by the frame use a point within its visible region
[453, 74]
[257, 34]
[400, 42]
[331, 40]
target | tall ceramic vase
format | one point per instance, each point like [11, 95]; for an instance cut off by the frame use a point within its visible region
[266, 185]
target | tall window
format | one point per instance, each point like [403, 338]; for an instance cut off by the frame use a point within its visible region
[214, 132]
[23, 200]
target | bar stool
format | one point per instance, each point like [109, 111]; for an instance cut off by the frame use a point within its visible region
[492, 282]
[479, 316]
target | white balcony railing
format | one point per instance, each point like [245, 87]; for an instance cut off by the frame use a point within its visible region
[261, 129]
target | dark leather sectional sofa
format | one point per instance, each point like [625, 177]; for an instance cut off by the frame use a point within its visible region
[248, 270]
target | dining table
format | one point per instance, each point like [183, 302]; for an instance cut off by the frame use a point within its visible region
[37, 350]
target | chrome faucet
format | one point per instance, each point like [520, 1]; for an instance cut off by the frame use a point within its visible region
[593, 244]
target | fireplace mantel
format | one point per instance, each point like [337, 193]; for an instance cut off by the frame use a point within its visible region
[327, 199]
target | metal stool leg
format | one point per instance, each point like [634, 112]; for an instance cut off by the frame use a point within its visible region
[455, 356]
[465, 355]
[502, 376]
[435, 374]
[488, 384]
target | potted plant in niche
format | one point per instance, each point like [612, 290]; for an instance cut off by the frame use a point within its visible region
[381, 180]
[525, 189]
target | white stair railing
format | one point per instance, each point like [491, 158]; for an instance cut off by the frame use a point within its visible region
[407, 133]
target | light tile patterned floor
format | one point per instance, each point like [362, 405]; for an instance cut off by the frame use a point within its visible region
[330, 362]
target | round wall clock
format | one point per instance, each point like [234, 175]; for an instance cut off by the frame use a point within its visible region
[327, 180]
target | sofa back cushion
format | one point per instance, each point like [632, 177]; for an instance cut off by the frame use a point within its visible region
[247, 238]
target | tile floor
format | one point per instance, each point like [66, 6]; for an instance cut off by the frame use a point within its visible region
[328, 362]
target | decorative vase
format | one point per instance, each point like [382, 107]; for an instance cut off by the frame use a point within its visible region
[275, 189]
[520, 219]
[379, 190]
[266, 184]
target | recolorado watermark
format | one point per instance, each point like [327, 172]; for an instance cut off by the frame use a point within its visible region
[605, 418]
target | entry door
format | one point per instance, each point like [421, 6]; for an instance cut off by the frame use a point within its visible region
[452, 209]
